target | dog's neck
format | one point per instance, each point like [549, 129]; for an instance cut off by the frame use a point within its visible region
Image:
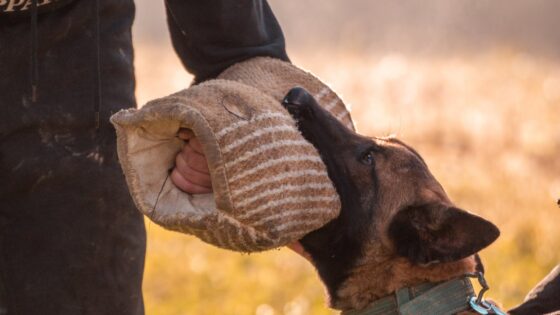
[376, 277]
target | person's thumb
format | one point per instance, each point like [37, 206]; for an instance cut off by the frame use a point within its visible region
[185, 134]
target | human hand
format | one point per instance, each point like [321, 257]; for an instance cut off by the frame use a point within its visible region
[191, 173]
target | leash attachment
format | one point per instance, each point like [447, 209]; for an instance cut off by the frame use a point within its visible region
[478, 304]
[485, 307]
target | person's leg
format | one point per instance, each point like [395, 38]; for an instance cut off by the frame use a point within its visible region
[72, 242]
[71, 239]
[211, 35]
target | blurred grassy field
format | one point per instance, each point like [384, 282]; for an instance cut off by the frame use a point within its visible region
[489, 127]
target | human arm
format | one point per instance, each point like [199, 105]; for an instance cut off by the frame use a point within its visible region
[211, 35]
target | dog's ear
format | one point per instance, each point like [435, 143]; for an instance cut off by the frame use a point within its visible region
[435, 233]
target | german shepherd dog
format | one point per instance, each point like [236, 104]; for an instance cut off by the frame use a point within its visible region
[397, 226]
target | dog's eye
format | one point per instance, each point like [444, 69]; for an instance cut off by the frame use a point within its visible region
[367, 158]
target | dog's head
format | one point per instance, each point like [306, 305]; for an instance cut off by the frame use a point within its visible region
[392, 206]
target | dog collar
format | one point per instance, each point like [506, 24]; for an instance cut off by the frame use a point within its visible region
[443, 298]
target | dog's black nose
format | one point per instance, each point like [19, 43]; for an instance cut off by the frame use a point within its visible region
[300, 104]
[298, 96]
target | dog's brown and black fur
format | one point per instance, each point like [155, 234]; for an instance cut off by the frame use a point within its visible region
[397, 226]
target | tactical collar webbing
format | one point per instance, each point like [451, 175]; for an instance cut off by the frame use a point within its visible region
[448, 297]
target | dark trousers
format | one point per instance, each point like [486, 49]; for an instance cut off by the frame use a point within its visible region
[71, 240]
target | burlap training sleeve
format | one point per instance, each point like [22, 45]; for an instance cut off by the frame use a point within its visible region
[270, 187]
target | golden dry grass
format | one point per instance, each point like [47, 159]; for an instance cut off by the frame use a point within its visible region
[488, 126]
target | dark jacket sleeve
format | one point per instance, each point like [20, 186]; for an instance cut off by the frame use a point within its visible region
[544, 298]
[211, 35]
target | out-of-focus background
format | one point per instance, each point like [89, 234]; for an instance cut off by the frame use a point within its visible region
[473, 85]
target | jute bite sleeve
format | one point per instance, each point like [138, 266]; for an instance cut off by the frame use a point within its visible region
[270, 186]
